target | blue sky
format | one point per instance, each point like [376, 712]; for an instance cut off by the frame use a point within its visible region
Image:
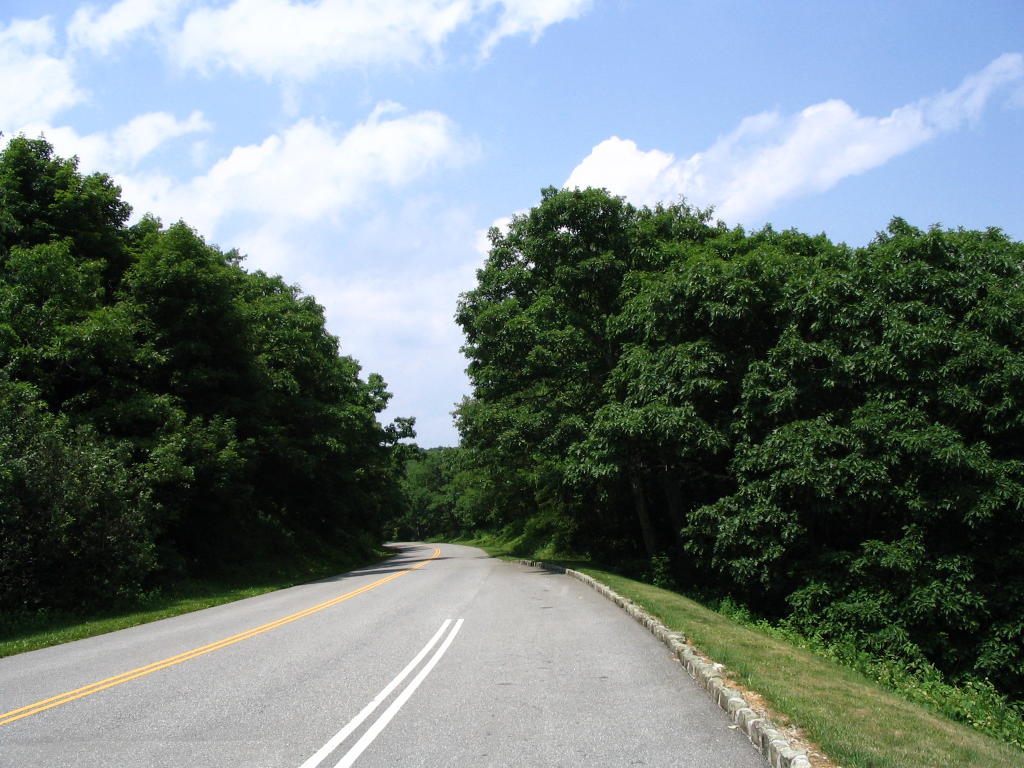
[362, 148]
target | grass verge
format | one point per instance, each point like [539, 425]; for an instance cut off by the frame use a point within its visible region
[856, 722]
[21, 632]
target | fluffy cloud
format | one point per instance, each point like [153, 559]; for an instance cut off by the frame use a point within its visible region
[749, 171]
[948, 111]
[769, 158]
[121, 149]
[389, 284]
[482, 241]
[403, 329]
[143, 134]
[409, 338]
[623, 168]
[102, 31]
[292, 40]
[531, 17]
[308, 172]
[276, 202]
[34, 84]
[246, 35]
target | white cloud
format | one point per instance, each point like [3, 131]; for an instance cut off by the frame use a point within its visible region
[769, 158]
[401, 327]
[623, 168]
[390, 321]
[531, 17]
[290, 40]
[100, 32]
[389, 284]
[121, 149]
[247, 35]
[34, 85]
[298, 40]
[143, 134]
[482, 242]
[308, 172]
[816, 149]
[388, 279]
[948, 111]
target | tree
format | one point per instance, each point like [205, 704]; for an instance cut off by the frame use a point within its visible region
[74, 520]
[879, 460]
[44, 199]
[214, 411]
[545, 339]
[834, 434]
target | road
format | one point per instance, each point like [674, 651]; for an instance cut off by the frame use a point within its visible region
[440, 656]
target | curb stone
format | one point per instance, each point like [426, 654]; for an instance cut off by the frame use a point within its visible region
[777, 749]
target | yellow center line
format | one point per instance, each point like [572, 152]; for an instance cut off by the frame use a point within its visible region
[110, 682]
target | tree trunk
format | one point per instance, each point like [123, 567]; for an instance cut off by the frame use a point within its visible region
[640, 503]
[674, 504]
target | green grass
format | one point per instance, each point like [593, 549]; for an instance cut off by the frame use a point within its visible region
[30, 631]
[855, 721]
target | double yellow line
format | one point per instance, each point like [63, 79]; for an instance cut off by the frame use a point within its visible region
[156, 666]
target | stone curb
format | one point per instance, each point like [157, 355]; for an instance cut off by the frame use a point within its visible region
[769, 740]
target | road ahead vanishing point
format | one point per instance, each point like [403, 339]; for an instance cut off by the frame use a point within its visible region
[440, 656]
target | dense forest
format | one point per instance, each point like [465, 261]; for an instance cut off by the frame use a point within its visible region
[165, 413]
[833, 436]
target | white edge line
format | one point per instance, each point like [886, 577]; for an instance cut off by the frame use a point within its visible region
[381, 723]
[366, 711]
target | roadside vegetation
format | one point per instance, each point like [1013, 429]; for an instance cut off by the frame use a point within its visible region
[29, 631]
[861, 712]
[167, 418]
[824, 442]
[857, 722]
[828, 439]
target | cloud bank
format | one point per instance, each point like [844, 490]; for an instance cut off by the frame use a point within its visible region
[124, 147]
[309, 172]
[769, 158]
[35, 85]
[102, 32]
[296, 41]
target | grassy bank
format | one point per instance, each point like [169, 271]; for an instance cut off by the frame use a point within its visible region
[21, 632]
[857, 722]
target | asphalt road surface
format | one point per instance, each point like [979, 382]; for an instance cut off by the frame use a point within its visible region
[440, 656]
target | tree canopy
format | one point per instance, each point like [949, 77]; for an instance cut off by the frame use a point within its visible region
[165, 411]
[833, 434]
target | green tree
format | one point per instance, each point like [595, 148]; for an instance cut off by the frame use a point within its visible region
[834, 434]
[44, 199]
[585, 387]
[221, 420]
[73, 518]
[879, 459]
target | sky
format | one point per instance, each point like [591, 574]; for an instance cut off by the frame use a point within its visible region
[362, 148]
